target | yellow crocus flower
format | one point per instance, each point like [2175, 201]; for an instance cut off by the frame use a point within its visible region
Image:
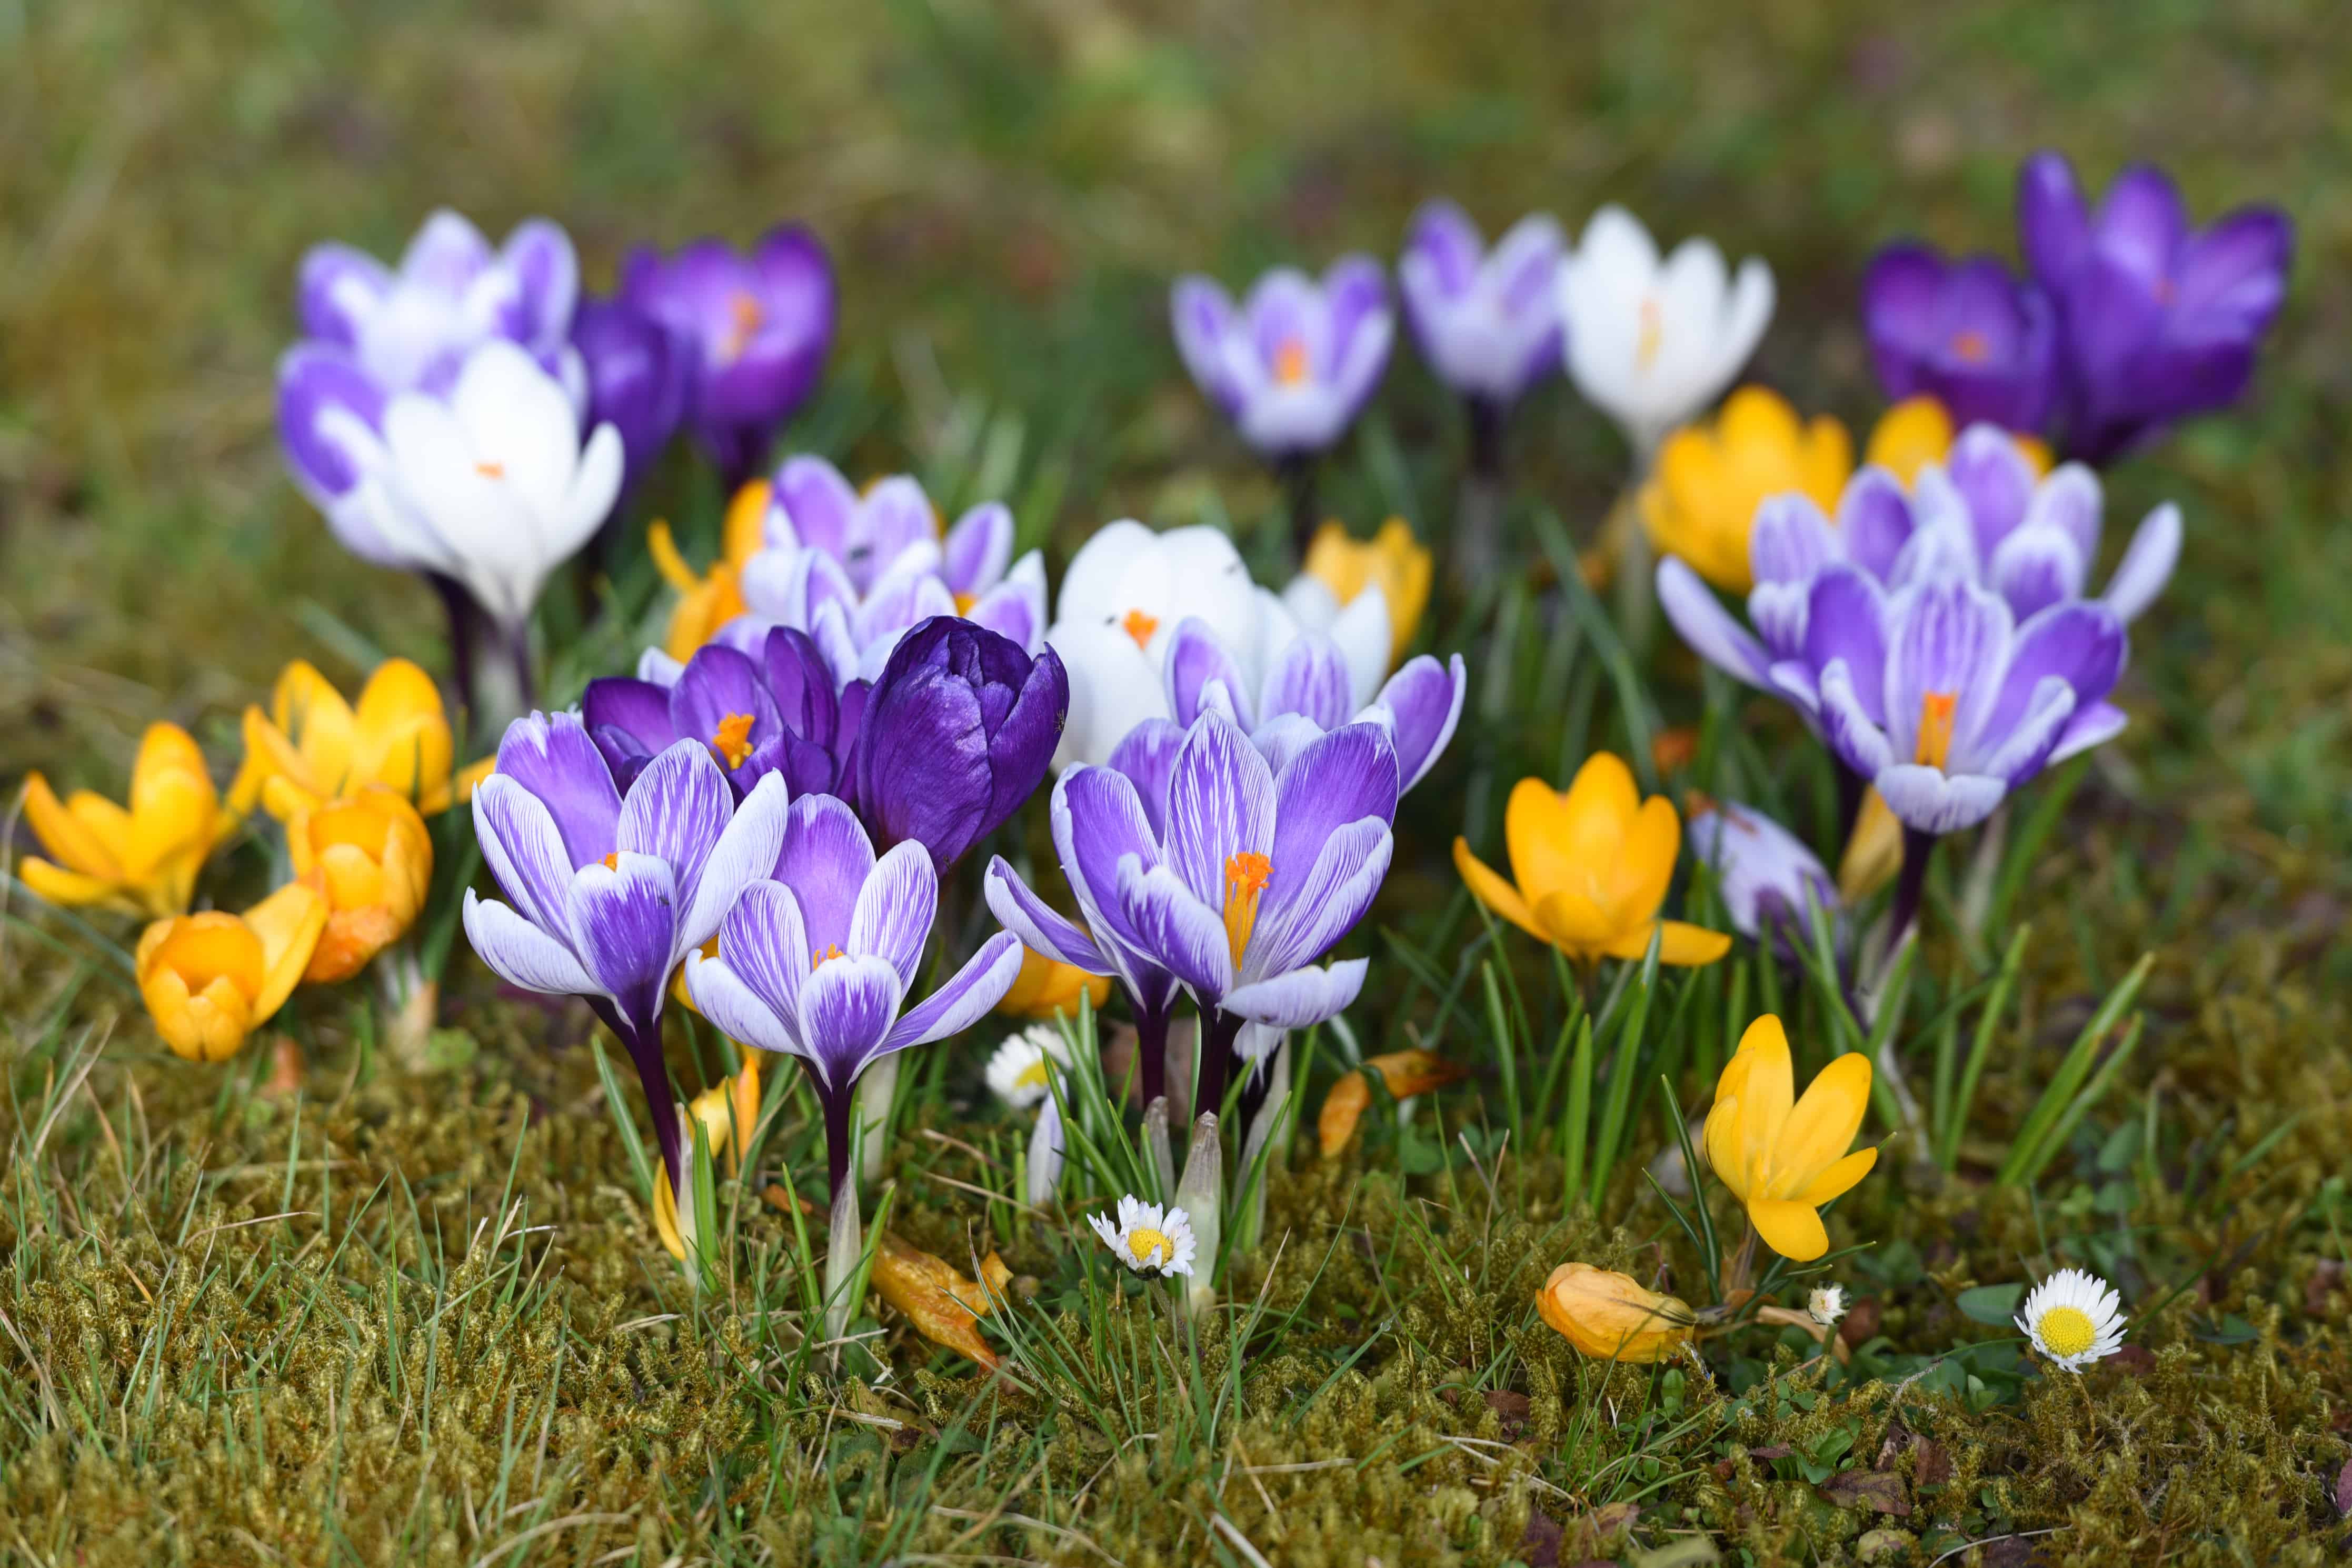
[1783, 1160]
[371, 857]
[1046, 988]
[1591, 868]
[1701, 501]
[1392, 557]
[709, 601]
[143, 859]
[210, 979]
[1917, 431]
[312, 746]
[1610, 1317]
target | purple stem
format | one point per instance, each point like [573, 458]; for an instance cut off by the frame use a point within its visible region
[459, 609]
[838, 1105]
[1217, 1061]
[1909, 883]
[645, 1052]
[1151, 1045]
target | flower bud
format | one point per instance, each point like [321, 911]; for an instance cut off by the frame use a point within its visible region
[1610, 1317]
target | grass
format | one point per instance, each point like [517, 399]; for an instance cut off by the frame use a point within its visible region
[420, 1316]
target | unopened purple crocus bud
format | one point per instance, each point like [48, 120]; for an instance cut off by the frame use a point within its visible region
[1487, 320]
[1972, 334]
[956, 734]
[2158, 319]
[1294, 366]
[1768, 879]
[761, 323]
[640, 375]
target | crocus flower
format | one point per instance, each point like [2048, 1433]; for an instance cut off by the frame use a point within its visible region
[1589, 868]
[640, 375]
[817, 960]
[1295, 363]
[370, 333]
[762, 701]
[1652, 343]
[1767, 877]
[1700, 501]
[312, 746]
[2158, 319]
[1609, 1316]
[1488, 321]
[370, 855]
[957, 735]
[1341, 575]
[610, 890]
[760, 323]
[211, 979]
[1047, 987]
[1972, 334]
[493, 486]
[1781, 1157]
[709, 601]
[144, 858]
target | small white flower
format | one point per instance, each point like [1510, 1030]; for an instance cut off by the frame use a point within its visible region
[2073, 1319]
[1016, 1073]
[1826, 1304]
[1146, 1239]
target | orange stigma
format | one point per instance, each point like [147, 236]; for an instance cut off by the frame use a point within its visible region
[744, 319]
[1936, 715]
[1290, 362]
[817, 960]
[733, 741]
[1653, 335]
[1971, 346]
[1246, 875]
[613, 860]
[1139, 626]
[489, 470]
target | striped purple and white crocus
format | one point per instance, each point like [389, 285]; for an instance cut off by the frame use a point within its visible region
[1296, 360]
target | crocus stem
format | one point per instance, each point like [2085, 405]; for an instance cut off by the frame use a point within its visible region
[837, 1122]
[1298, 482]
[519, 652]
[459, 610]
[1909, 885]
[1478, 523]
[1217, 1061]
[1151, 1048]
[644, 1053]
[1850, 790]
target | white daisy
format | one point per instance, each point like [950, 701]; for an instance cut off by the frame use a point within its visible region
[2073, 1319]
[1145, 1240]
[1826, 1304]
[1016, 1073]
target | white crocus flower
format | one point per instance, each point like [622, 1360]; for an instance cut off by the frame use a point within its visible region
[1360, 627]
[493, 486]
[1650, 342]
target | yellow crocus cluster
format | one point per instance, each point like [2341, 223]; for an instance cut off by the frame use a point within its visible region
[312, 746]
[368, 854]
[1392, 558]
[140, 858]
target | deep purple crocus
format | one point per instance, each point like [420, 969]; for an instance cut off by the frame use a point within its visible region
[610, 890]
[2158, 319]
[761, 324]
[640, 376]
[958, 733]
[1293, 366]
[762, 699]
[1488, 321]
[1971, 334]
[817, 961]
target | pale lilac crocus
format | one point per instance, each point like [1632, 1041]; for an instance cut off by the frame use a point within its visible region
[609, 891]
[1771, 882]
[1487, 320]
[1296, 363]
[818, 959]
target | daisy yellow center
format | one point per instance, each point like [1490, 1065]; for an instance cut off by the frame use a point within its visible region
[2066, 1331]
[1935, 717]
[1652, 337]
[1032, 1076]
[733, 740]
[1971, 346]
[1290, 362]
[1143, 1243]
[1246, 875]
[817, 960]
[744, 318]
[1139, 626]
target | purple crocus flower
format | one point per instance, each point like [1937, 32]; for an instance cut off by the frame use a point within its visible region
[761, 324]
[818, 960]
[1768, 879]
[1294, 365]
[640, 375]
[2158, 319]
[857, 572]
[1971, 334]
[1488, 321]
[762, 700]
[370, 332]
[610, 890]
[957, 734]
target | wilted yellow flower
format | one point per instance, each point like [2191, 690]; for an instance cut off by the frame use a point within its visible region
[312, 746]
[145, 859]
[1046, 988]
[709, 601]
[1917, 431]
[1701, 501]
[370, 855]
[211, 979]
[1610, 1317]
[1392, 557]
[1591, 868]
[1784, 1160]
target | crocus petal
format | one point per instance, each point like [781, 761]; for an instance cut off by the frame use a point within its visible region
[1195, 659]
[624, 922]
[1300, 998]
[1147, 756]
[747, 849]
[978, 548]
[1175, 927]
[1426, 699]
[524, 850]
[892, 919]
[1838, 1177]
[1221, 804]
[1040, 927]
[2090, 727]
[766, 945]
[824, 858]
[847, 1008]
[1319, 908]
[1707, 627]
[1794, 1231]
[1491, 890]
[1821, 1124]
[675, 814]
[2148, 563]
[521, 954]
[1310, 676]
[555, 761]
[1930, 801]
[964, 999]
[734, 1009]
[1348, 775]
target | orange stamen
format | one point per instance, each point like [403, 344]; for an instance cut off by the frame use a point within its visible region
[816, 960]
[1290, 362]
[1972, 346]
[1141, 627]
[733, 741]
[1937, 710]
[745, 318]
[613, 860]
[1246, 878]
[491, 470]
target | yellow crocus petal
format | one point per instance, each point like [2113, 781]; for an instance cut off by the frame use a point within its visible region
[1794, 1231]
[1821, 1125]
[1410, 570]
[1337, 561]
[402, 738]
[1910, 435]
[1537, 832]
[1770, 1092]
[1601, 805]
[287, 925]
[1492, 891]
[1644, 864]
[172, 815]
[198, 975]
[1721, 1136]
[1680, 943]
[665, 1216]
[470, 777]
[59, 885]
[1575, 923]
[1839, 1176]
[312, 713]
[268, 754]
[746, 528]
[78, 843]
[1826, 462]
[2035, 451]
[1873, 854]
